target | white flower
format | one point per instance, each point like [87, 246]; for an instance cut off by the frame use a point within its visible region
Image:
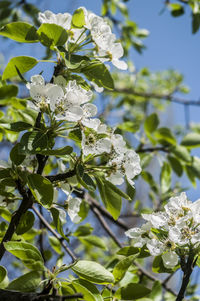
[170, 259]
[76, 95]
[44, 94]
[137, 234]
[90, 110]
[92, 145]
[155, 247]
[63, 20]
[76, 35]
[158, 219]
[113, 53]
[74, 208]
[178, 206]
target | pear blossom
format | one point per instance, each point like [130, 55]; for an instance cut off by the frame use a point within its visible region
[92, 144]
[43, 94]
[63, 20]
[172, 231]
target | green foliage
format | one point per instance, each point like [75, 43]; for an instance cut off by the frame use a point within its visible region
[93, 272]
[27, 253]
[20, 31]
[28, 282]
[52, 35]
[132, 291]
[22, 63]
[41, 189]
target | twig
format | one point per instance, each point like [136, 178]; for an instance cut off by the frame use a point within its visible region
[48, 226]
[153, 149]
[168, 97]
[62, 176]
[118, 222]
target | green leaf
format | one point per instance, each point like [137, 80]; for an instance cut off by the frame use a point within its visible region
[122, 266]
[78, 18]
[132, 291]
[52, 35]
[195, 166]
[55, 244]
[41, 189]
[151, 123]
[58, 224]
[181, 152]
[128, 251]
[23, 63]
[84, 179]
[89, 290]
[110, 198]
[175, 165]
[164, 136]
[195, 22]
[26, 283]
[19, 126]
[15, 155]
[191, 140]
[27, 253]
[93, 272]
[26, 223]
[67, 150]
[3, 273]
[94, 241]
[176, 9]
[8, 91]
[20, 31]
[83, 230]
[33, 142]
[98, 73]
[117, 190]
[165, 177]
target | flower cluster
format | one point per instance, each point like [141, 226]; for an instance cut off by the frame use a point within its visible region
[170, 232]
[100, 33]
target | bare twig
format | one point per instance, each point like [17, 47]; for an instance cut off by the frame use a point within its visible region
[48, 226]
[168, 97]
[62, 176]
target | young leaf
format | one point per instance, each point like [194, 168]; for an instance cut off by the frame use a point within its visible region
[26, 223]
[27, 253]
[122, 266]
[78, 18]
[67, 150]
[58, 224]
[20, 31]
[52, 35]
[151, 123]
[8, 91]
[93, 272]
[191, 140]
[98, 73]
[41, 189]
[3, 273]
[33, 142]
[28, 282]
[23, 63]
[165, 177]
[132, 291]
[89, 290]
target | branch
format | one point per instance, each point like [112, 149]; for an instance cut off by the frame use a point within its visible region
[62, 176]
[119, 222]
[48, 226]
[187, 271]
[6, 295]
[153, 149]
[167, 97]
[26, 203]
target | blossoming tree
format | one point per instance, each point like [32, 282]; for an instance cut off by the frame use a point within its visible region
[66, 164]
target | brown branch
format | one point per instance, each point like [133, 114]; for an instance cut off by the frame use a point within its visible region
[26, 203]
[119, 222]
[153, 149]
[48, 226]
[187, 269]
[6, 295]
[168, 97]
[62, 176]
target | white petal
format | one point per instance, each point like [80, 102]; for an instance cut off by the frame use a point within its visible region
[155, 247]
[119, 64]
[74, 114]
[170, 259]
[73, 209]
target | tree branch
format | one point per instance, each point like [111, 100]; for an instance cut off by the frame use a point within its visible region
[168, 97]
[62, 176]
[48, 226]
[187, 269]
[153, 149]
[6, 295]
